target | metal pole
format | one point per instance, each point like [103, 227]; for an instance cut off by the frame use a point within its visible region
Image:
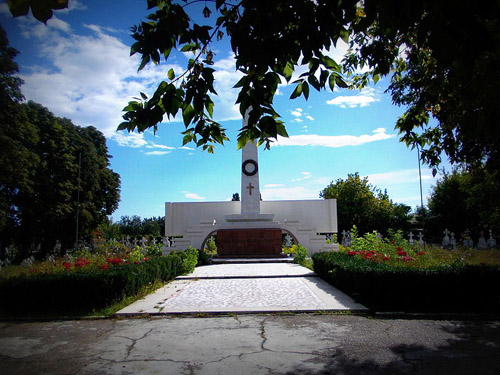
[78, 197]
[421, 195]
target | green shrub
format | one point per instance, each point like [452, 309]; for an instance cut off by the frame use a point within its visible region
[300, 253]
[382, 287]
[190, 259]
[87, 289]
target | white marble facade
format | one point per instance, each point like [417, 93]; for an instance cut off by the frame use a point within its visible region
[303, 219]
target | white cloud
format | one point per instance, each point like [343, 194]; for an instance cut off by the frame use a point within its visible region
[270, 186]
[298, 120]
[379, 134]
[297, 113]
[92, 77]
[363, 99]
[134, 140]
[305, 176]
[310, 118]
[157, 152]
[195, 196]
[155, 145]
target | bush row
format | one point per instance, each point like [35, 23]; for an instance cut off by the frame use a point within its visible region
[381, 287]
[81, 291]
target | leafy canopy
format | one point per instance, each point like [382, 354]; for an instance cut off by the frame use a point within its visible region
[365, 206]
[269, 40]
[442, 56]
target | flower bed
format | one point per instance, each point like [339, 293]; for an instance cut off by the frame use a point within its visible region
[391, 275]
[383, 287]
[87, 284]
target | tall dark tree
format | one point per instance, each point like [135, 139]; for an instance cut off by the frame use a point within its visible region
[135, 226]
[17, 140]
[444, 58]
[41, 157]
[361, 204]
[71, 177]
[465, 200]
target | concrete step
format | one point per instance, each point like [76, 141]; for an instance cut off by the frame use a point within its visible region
[221, 260]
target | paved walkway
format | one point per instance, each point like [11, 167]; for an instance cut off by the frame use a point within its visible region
[297, 344]
[245, 288]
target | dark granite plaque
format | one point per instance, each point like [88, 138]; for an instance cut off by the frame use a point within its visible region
[249, 243]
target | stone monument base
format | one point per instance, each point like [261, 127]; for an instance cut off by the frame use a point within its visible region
[246, 243]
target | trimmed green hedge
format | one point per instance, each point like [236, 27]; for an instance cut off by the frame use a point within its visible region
[453, 288]
[89, 290]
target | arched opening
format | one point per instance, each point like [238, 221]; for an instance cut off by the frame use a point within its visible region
[212, 233]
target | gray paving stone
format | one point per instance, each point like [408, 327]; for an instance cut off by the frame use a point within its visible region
[245, 288]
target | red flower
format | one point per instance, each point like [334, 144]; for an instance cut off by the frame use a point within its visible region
[115, 261]
[104, 267]
[399, 248]
[402, 253]
[351, 253]
[385, 258]
[421, 253]
[407, 259]
[67, 265]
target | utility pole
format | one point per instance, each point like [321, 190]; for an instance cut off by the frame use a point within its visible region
[78, 197]
[421, 195]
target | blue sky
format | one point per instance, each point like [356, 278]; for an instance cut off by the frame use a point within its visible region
[79, 67]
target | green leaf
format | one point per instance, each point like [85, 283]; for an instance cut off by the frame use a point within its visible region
[188, 114]
[188, 138]
[280, 127]
[242, 140]
[340, 82]
[241, 82]
[330, 63]
[144, 61]
[288, 71]
[171, 74]
[331, 81]
[209, 105]
[206, 12]
[344, 34]
[124, 125]
[314, 82]
[305, 90]
[297, 92]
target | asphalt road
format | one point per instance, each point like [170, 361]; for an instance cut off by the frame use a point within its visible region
[252, 344]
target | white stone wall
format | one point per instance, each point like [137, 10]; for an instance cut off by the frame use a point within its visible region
[303, 218]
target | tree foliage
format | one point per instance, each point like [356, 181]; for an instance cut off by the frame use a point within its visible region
[442, 56]
[135, 226]
[41, 9]
[41, 157]
[444, 59]
[361, 204]
[269, 40]
[465, 200]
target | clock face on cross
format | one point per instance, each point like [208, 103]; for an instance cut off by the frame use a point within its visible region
[249, 167]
